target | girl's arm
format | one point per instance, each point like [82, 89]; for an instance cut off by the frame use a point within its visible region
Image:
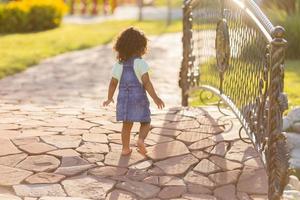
[149, 88]
[111, 90]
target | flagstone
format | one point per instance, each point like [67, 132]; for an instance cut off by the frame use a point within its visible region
[7, 148]
[166, 150]
[35, 132]
[171, 192]
[25, 140]
[9, 126]
[11, 176]
[257, 178]
[165, 132]
[87, 187]
[177, 165]
[101, 138]
[191, 137]
[115, 158]
[93, 157]
[70, 131]
[107, 171]
[153, 171]
[135, 175]
[154, 180]
[199, 197]
[62, 198]
[44, 177]
[37, 148]
[199, 179]
[219, 149]
[117, 138]
[120, 195]
[38, 190]
[142, 165]
[206, 167]
[93, 147]
[202, 144]
[12, 160]
[153, 139]
[64, 153]
[141, 189]
[99, 130]
[71, 166]
[254, 162]
[170, 181]
[39, 163]
[200, 154]
[80, 124]
[225, 164]
[9, 197]
[62, 141]
[226, 192]
[197, 189]
[223, 178]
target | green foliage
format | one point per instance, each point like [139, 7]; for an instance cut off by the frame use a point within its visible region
[287, 14]
[31, 15]
[19, 51]
[291, 85]
[292, 26]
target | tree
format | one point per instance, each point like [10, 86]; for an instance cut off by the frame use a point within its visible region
[140, 5]
[169, 15]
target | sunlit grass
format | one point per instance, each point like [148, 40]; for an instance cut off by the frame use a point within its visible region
[291, 88]
[19, 51]
[174, 3]
[292, 82]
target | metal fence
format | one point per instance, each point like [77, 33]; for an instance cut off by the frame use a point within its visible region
[231, 49]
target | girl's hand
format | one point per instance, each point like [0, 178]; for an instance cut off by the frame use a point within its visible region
[107, 102]
[160, 104]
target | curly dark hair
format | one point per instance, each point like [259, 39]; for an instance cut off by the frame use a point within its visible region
[130, 42]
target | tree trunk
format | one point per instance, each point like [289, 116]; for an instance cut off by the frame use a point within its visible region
[169, 14]
[140, 5]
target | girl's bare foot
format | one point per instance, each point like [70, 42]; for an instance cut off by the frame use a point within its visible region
[126, 152]
[141, 146]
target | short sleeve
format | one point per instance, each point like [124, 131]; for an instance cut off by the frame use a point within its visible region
[140, 68]
[143, 67]
[117, 71]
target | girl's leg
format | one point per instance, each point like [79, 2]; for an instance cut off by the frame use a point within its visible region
[144, 130]
[126, 129]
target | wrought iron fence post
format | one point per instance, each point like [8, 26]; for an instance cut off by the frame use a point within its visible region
[186, 41]
[277, 152]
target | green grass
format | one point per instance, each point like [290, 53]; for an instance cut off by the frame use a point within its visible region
[19, 51]
[291, 88]
[292, 82]
[175, 3]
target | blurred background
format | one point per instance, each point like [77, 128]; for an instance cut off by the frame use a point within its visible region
[32, 30]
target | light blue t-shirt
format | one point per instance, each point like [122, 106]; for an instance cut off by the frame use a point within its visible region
[140, 67]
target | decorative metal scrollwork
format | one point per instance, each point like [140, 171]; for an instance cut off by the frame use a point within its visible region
[240, 56]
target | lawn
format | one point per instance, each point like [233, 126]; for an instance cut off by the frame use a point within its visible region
[19, 51]
[291, 87]
[292, 82]
[174, 3]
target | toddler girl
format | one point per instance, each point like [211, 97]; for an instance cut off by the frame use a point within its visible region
[131, 72]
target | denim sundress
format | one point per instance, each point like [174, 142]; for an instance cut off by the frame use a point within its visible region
[132, 101]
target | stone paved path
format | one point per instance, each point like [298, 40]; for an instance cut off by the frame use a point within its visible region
[57, 143]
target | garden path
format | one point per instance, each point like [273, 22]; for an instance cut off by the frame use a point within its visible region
[57, 142]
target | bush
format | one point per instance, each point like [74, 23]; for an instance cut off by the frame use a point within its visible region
[292, 27]
[31, 15]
